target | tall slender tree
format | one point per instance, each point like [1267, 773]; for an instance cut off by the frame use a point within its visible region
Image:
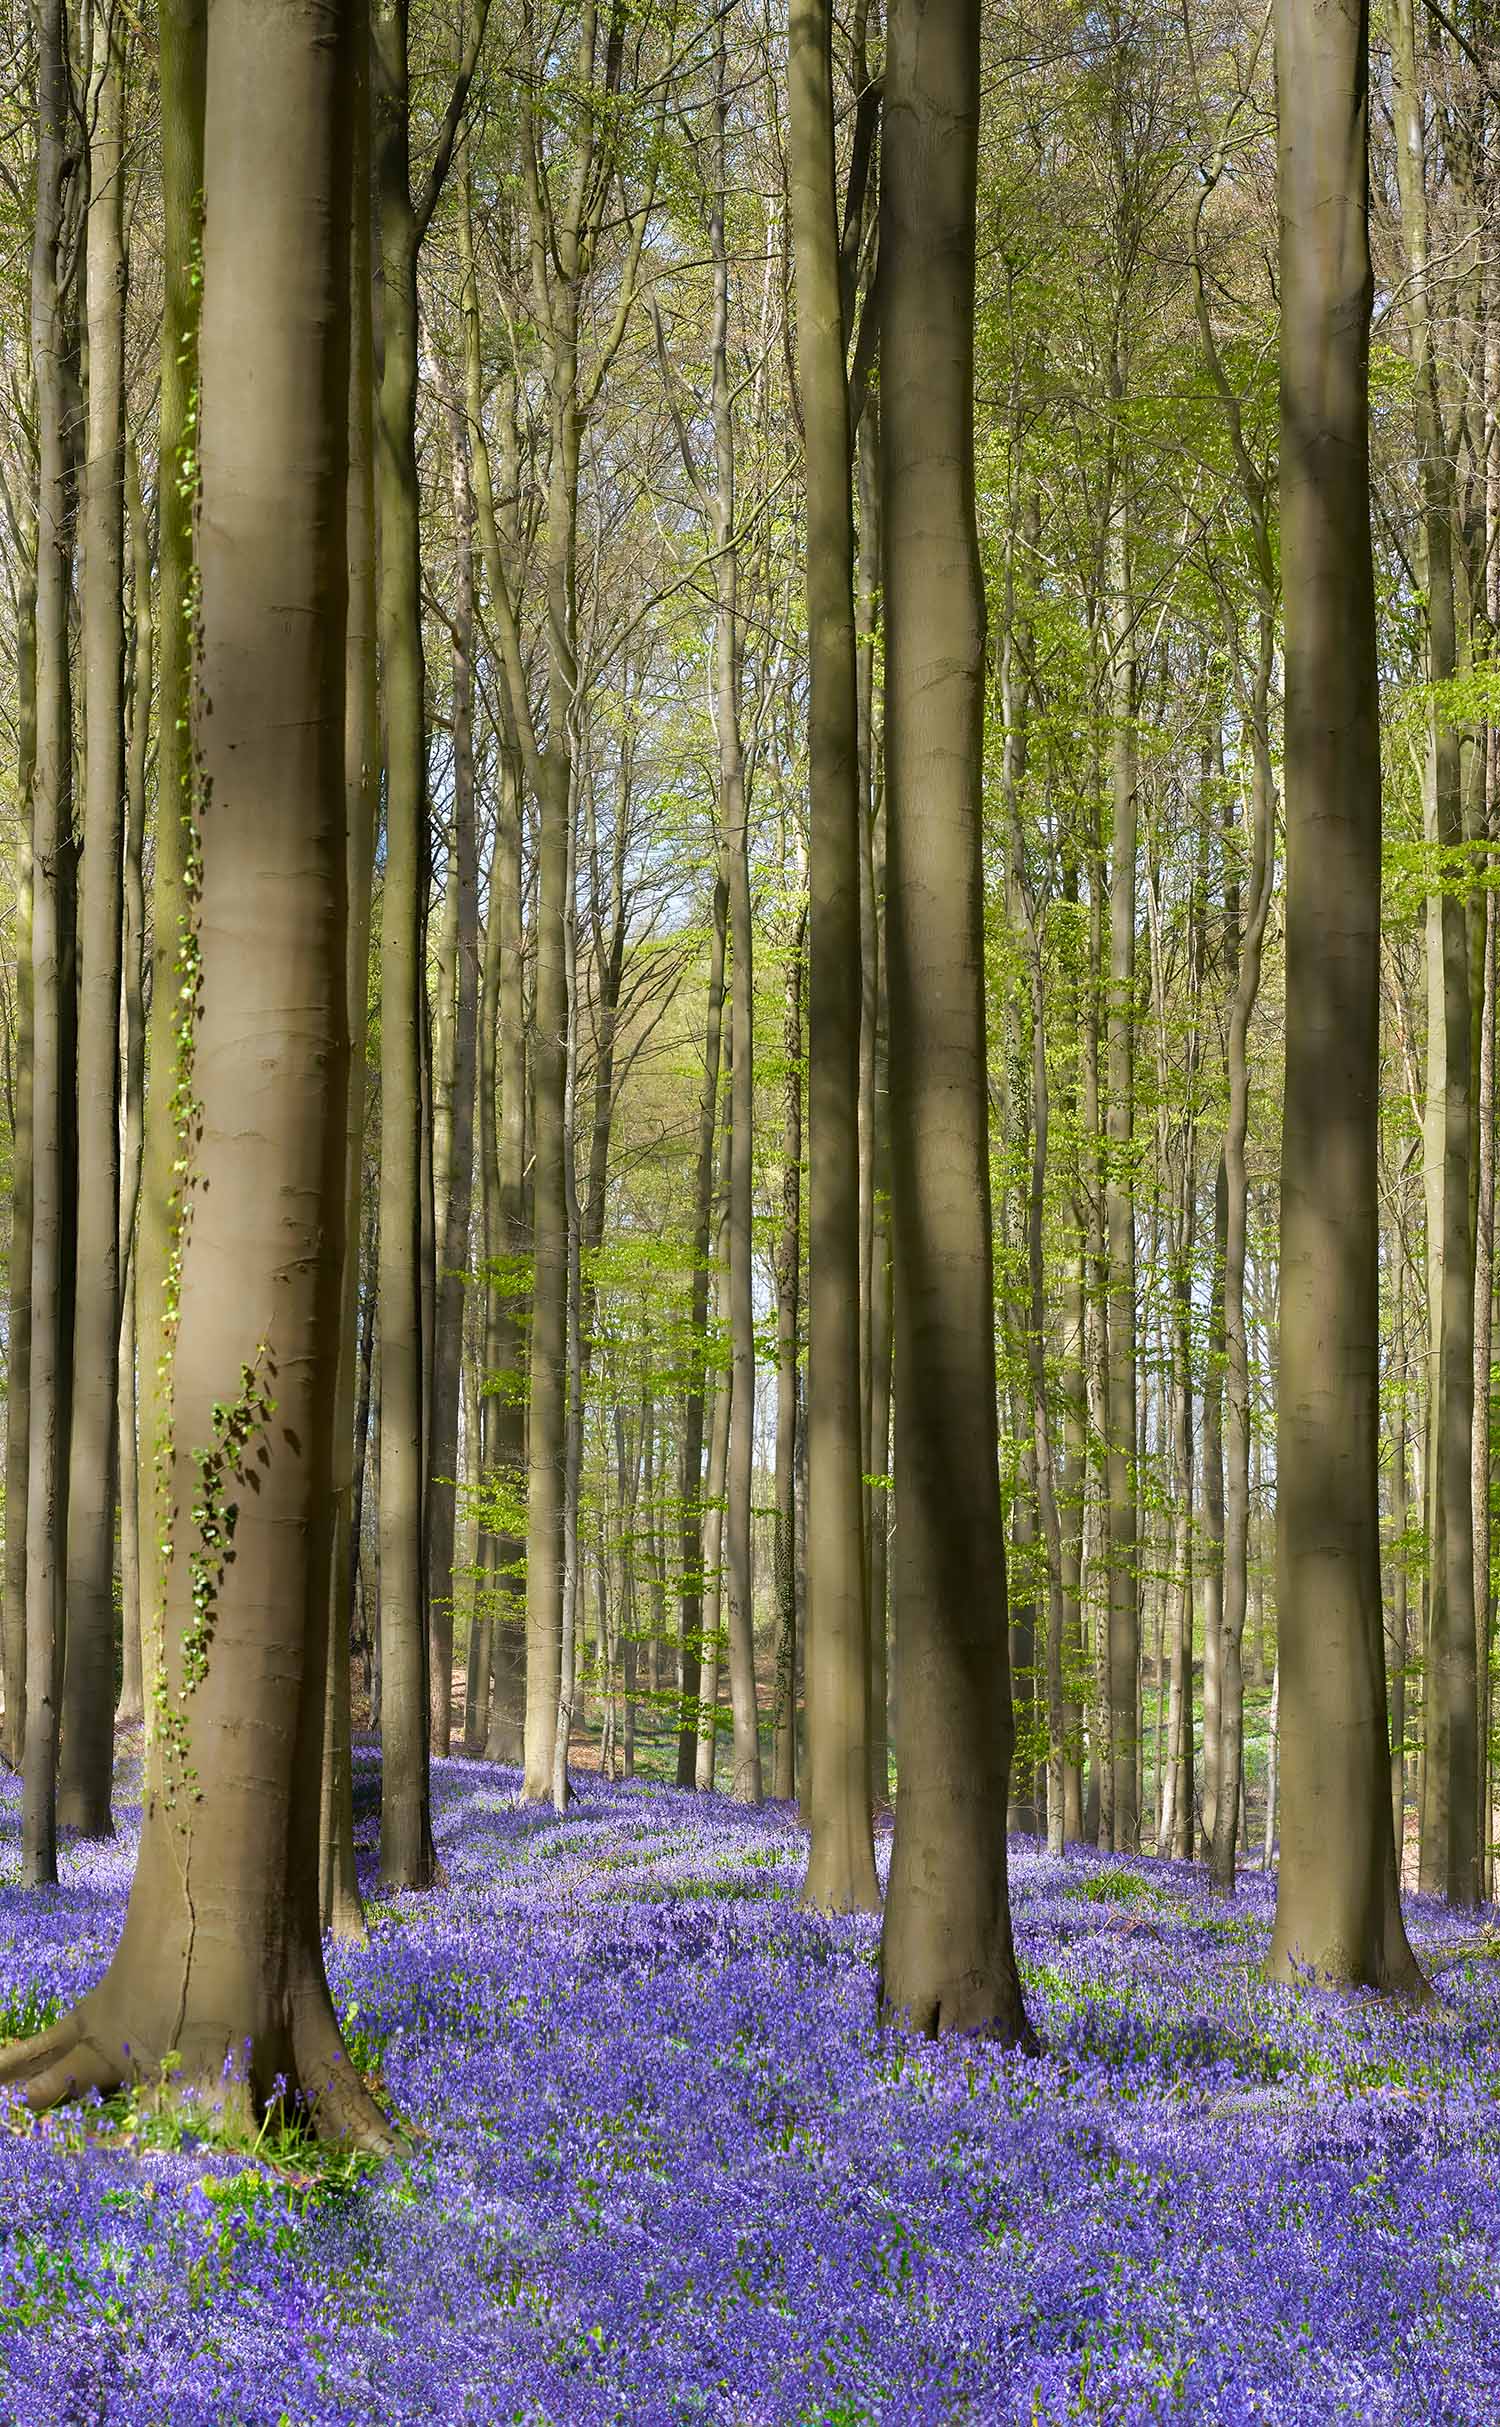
[407, 1857]
[1338, 1912]
[87, 1762]
[836, 1794]
[947, 1957]
[53, 856]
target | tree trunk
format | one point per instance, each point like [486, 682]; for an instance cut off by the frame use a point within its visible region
[711, 1553]
[455, 1047]
[1124, 1636]
[1449, 1845]
[18, 1334]
[87, 1764]
[339, 1898]
[1338, 1915]
[745, 1775]
[573, 1344]
[1400, 1619]
[836, 1790]
[947, 1958]
[131, 1708]
[220, 1962]
[690, 1486]
[1236, 1345]
[1213, 1508]
[874, 1105]
[1484, 1283]
[183, 35]
[407, 1859]
[52, 923]
[500, 1709]
[788, 1289]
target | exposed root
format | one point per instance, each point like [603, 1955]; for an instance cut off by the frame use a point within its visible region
[61, 2063]
[964, 2010]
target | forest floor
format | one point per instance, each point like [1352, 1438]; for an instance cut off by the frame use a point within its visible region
[669, 2171]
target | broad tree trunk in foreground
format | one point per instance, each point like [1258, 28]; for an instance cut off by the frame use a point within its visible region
[182, 25]
[836, 1790]
[1338, 1913]
[88, 1715]
[221, 1961]
[947, 1958]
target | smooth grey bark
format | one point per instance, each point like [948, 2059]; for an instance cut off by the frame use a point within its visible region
[18, 1334]
[947, 1956]
[788, 1297]
[567, 1691]
[1124, 1618]
[220, 1962]
[182, 54]
[693, 1518]
[1450, 1855]
[131, 1707]
[1213, 1499]
[500, 1694]
[1338, 1914]
[407, 1857]
[1229, 1781]
[712, 1552]
[1484, 1285]
[342, 1912]
[455, 1055]
[53, 854]
[86, 1766]
[836, 1785]
[734, 819]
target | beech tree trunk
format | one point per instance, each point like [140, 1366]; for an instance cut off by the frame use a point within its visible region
[342, 1911]
[182, 55]
[53, 849]
[745, 1774]
[500, 1707]
[947, 1958]
[18, 1335]
[131, 1708]
[407, 1858]
[836, 1787]
[87, 1763]
[1338, 1913]
[1124, 1624]
[1213, 1508]
[706, 1717]
[220, 1963]
[454, 1052]
[788, 1291]
[690, 1479]
[1229, 1782]
[1449, 1840]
